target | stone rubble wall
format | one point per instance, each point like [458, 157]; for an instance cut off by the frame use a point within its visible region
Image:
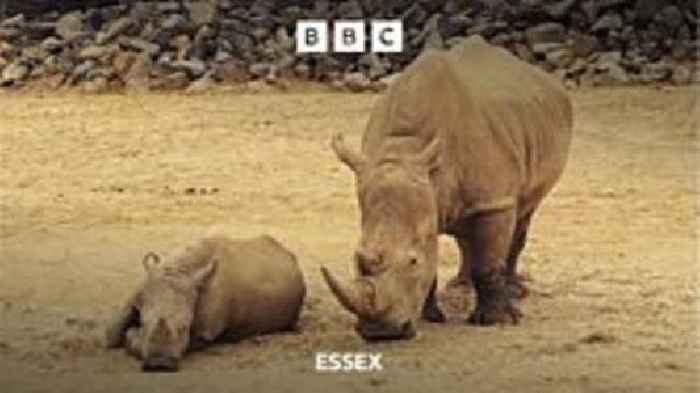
[170, 45]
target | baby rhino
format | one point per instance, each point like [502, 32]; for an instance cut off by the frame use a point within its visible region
[215, 288]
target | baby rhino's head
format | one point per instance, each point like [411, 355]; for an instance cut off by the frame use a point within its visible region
[166, 311]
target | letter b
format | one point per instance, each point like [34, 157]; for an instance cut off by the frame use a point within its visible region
[349, 36]
[312, 36]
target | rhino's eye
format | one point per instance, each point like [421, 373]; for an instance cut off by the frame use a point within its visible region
[413, 261]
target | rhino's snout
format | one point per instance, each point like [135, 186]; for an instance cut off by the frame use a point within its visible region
[160, 364]
[376, 331]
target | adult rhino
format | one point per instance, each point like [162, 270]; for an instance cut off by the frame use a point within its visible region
[216, 287]
[466, 142]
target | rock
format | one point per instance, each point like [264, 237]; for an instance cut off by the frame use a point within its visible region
[523, 52]
[70, 26]
[543, 48]
[452, 25]
[558, 10]
[52, 44]
[258, 86]
[34, 54]
[584, 45]
[202, 12]
[222, 56]
[202, 84]
[54, 81]
[174, 23]
[140, 45]
[15, 21]
[96, 52]
[681, 75]
[671, 17]
[610, 57]
[487, 29]
[272, 75]
[183, 44]
[195, 68]
[612, 74]
[351, 9]
[390, 79]
[122, 61]
[283, 42]
[10, 33]
[14, 72]
[454, 41]
[431, 32]
[142, 10]
[138, 75]
[174, 81]
[260, 33]
[165, 7]
[590, 9]
[231, 71]
[95, 86]
[51, 65]
[118, 27]
[374, 65]
[259, 70]
[100, 72]
[647, 9]
[82, 69]
[545, 33]
[609, 21]
[356, 82]
[302, 71]
[656, 72]
[560, 58]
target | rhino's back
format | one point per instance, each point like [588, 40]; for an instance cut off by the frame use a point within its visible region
[506, 125]
[257, 288]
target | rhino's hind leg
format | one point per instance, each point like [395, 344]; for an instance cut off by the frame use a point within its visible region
[516, 288]
[431, 310]
[491, 237]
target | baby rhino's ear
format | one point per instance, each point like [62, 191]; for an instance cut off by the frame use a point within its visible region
[205, 272]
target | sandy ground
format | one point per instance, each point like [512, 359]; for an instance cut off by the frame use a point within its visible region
[90, 183]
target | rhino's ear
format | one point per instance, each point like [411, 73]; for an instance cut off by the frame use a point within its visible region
[431, 155]
[150, 261]
[204, 273]
[352, 158]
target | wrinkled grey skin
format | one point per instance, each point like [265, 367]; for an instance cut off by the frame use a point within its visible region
[208, 290]
[467, 143]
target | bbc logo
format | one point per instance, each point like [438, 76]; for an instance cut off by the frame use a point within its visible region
[349, 36]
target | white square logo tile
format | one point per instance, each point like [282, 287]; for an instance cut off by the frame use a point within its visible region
[387, 36]
[349, 36]
[312, 36]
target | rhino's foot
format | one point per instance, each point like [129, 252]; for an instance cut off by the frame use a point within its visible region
[516, 289]
[433, 314]
[458, 281]
[492, 313]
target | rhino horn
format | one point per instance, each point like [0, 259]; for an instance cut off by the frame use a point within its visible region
[161, 329]
[349, 296]
[353, 159]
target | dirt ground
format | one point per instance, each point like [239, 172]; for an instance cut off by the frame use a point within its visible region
[89, 184]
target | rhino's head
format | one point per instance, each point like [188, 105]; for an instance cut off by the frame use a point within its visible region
[396, 259]
[166, 309]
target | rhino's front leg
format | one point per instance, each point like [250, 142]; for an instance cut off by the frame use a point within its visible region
[491, 236]
[431, 310]
[133, 342]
